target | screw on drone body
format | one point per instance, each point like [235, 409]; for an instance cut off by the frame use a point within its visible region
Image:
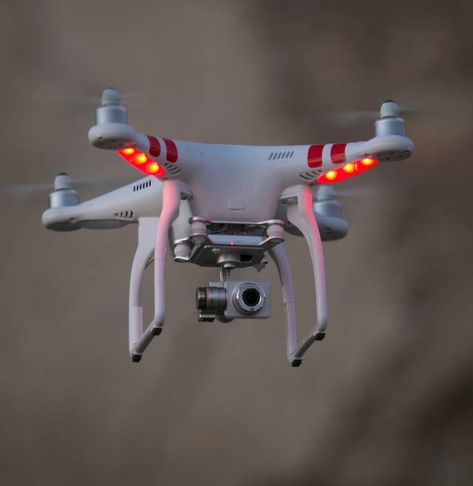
[289, 200]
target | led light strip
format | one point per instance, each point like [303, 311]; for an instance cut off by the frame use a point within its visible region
[141, 161]
[350, 169]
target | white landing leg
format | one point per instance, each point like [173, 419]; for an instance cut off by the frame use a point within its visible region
[152, 233]
[300, 212]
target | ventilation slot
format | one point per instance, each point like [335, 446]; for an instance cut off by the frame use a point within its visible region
[281, 154]
[143, 185]
[172, 169]
[127, 215]
[310, 175]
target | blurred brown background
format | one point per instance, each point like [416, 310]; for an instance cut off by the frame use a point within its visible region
[387, 398]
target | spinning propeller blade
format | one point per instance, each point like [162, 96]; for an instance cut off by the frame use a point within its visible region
[363, 192]
[85, 93]
[329, 191]
[31, 190]
[356, 116]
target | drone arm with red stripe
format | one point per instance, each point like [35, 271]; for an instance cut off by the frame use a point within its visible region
[113, 132]
[382, 148]
[338, 161]
[388, 147]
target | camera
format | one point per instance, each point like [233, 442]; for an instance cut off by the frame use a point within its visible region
[233, 299]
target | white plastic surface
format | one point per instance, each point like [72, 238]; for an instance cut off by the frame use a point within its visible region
[231, 183]
[146, 237]
[300, 212]
[170, 211]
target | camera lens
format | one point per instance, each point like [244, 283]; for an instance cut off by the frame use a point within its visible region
[201, 298]
[211, 298]
[249, 298]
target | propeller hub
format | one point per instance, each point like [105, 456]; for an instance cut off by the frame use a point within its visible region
[111, 96]
[62, 181]
[389, 108]
[326, 203]
[325, 193]
[111, 109]
[389, 121]
[63, 193]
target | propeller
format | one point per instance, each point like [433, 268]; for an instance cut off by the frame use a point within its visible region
[436, 112]
[62, 180]
[81, 92]
[329, 191]
[89, 100]
[356, 116]
[363, 192]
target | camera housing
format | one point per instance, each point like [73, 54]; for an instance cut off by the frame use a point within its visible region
[234, 299]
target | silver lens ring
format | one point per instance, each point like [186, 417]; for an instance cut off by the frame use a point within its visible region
[249, 298]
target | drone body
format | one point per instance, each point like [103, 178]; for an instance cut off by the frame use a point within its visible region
[223, 206]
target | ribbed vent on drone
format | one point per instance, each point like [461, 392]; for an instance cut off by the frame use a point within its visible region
[310, 175]
[281, 154]
[142, 185]
[124, 215]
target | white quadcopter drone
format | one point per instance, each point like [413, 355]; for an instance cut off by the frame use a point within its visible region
[224, 206]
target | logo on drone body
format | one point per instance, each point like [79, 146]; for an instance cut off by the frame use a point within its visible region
[233, 186]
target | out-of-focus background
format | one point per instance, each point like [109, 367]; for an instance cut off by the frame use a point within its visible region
[387, 398]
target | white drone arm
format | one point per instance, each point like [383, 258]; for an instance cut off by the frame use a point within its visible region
[388, 147]
[112, 210]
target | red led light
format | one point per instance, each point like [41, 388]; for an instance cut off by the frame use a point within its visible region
[331, 175]
[140, 158]
[350, 169]
[141, 161]
[152, 168]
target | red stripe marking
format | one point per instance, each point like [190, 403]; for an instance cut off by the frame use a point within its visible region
[314, 157]
[154, 146]
[337, 153]
[171, 150]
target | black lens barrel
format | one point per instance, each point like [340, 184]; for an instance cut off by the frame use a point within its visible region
[211, 298]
